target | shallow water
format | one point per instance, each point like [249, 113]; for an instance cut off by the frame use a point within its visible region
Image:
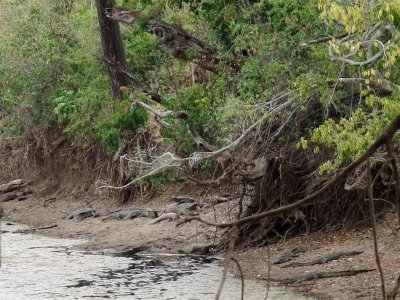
[38, 267]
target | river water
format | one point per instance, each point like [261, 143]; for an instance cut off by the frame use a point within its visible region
[39, 267]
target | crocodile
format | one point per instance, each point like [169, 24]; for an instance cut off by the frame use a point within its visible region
[84, 213]
[131, 213]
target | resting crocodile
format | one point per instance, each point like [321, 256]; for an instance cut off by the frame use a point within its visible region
[131, 213]
[84, 213]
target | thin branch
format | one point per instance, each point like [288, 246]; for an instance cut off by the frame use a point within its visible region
[395, 166]
[323, 39]
[373, 224]
[227, 261]
[200, 141]
[241, 276]
[393, 127]
[358, 63]
[175, 114]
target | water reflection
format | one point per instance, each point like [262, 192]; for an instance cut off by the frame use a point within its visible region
[38, 267]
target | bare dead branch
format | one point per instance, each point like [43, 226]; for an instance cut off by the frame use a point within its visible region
[358, 63]
[200, 142]
[161, 115]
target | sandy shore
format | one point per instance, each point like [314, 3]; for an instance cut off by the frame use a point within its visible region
[165, 237]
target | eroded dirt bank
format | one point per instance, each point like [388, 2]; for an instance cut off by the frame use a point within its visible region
[124, 235]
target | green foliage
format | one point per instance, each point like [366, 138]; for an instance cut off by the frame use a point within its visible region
[123, 119]
[52, 77]
[360, 124]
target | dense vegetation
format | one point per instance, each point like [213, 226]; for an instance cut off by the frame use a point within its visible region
[333, 65]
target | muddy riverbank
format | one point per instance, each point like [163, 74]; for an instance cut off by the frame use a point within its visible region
[165, 237]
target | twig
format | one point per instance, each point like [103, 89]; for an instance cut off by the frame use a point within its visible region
[373, 223]
[395, 166]
[269, 270]
[227, 260]
[241, 275]
[323, 39]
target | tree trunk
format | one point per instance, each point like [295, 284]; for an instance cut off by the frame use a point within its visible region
[113, 48]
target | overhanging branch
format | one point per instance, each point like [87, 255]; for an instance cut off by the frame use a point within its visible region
[386, 136]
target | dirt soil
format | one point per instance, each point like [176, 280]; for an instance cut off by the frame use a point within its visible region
[40, 210]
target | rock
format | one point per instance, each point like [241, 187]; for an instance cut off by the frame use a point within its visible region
[197, 249]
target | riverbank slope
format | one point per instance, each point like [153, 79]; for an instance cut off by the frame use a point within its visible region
[164, 237]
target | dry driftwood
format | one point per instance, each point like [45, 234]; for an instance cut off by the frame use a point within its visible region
[324, 259]
[322, 274]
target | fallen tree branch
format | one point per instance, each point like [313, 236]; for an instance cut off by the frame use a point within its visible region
[388, 133]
